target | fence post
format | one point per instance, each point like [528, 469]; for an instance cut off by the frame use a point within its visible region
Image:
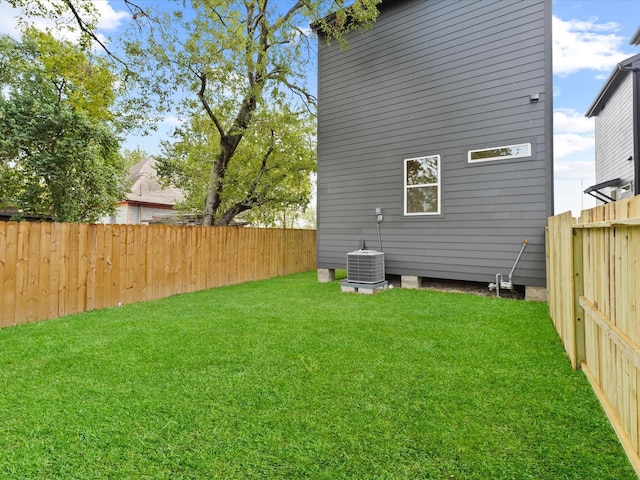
[578, 291]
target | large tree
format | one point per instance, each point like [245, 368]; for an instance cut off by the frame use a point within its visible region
[58, 148]
[229, 61]
[234, 63]
[270, 174]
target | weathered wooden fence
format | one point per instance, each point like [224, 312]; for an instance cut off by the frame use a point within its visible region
[593, 284]
[48, 270]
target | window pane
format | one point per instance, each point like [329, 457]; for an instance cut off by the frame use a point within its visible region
[510, 151]
[422, 170]
[422, 200]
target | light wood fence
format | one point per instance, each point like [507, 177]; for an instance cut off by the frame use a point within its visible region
[48, 270]
[593, 284]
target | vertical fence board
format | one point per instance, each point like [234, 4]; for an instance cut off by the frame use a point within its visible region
[10, 274]
[74, 263]
[33, 272]
[99, 268]
[22, 271]
[120, 264]
[63, 270]
[45, 271]
[54, 270]
[130, 264]
[92, 259]
[138, 292]
[3, 263]
[118, 269]
[561, 281]
[83, 267]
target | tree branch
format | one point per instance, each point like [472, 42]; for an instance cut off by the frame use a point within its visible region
[219, 16]
[207, 107]
[263, 168]
[292, 11]
[88, 31]
[250, 200]
[307, 98]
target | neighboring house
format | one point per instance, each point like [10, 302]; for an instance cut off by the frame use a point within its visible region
[147, 199]
[440, 116]
[616, 110]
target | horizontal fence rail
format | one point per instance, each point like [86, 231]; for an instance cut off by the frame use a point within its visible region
[594, 295]
[49, 270]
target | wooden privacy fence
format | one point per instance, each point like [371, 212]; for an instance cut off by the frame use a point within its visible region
[593, 282]
[48, 270]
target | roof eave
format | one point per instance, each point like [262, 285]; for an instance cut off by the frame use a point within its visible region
[616, 76]
[635, 39]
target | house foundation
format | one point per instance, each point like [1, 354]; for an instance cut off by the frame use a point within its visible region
[535, 294]
[326, 275]
[363, 288]
[410, 282]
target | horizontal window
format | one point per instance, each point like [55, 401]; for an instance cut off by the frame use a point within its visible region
[500, 153]
[422, 185]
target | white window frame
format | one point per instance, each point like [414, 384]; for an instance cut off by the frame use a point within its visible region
[526, 154]
[438, 185]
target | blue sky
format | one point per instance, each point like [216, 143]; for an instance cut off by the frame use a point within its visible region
[590, 38]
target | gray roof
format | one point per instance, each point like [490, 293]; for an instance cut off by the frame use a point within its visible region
[635, 39]
[145, 187]
[612, 83]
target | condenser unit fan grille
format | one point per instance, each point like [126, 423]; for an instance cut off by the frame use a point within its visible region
[365, 266]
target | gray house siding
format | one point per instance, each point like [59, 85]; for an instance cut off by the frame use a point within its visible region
[616, 112]
[438, 78]
[614, 129]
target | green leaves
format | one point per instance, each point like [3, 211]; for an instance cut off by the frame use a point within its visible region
[269, 174]
[58, 152]
[233, 68]
[238, 67]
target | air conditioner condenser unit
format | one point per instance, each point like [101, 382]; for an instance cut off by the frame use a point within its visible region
[365, 266]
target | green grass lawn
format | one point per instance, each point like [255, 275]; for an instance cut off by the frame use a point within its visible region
[289, 378]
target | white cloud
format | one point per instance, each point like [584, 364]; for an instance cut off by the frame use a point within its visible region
[567, 120]
[573, 133]
[108, 20]
[573, 169]
[585, 45]
[565, 144]
[172, 121]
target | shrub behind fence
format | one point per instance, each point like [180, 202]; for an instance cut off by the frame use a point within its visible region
[48, 270]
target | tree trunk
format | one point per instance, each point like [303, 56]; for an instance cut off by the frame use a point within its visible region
[228, 143]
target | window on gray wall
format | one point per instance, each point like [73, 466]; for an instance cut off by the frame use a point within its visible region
[422, 185]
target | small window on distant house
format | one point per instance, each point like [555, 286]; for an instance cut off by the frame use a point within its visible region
[500, 153]
[422, 185]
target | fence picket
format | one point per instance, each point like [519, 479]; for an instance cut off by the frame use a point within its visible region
[3, 263]
[33, 271]
[22, 271]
